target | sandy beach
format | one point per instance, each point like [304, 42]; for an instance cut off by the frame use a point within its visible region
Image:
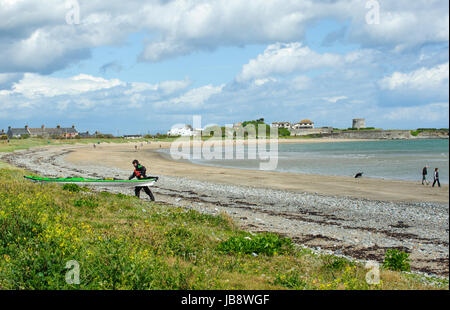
[120, 156]
[354, 218]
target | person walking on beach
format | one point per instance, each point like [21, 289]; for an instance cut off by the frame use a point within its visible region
[424, 175]
[140, 172]
[436, 177]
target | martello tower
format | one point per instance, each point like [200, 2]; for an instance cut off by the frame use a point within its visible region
[359, 123]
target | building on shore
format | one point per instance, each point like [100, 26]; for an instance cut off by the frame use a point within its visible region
[184, 131]
[85, 134]
[359, 123]
[304, 124]
[286, 125]
[132, 136]
[58, 132]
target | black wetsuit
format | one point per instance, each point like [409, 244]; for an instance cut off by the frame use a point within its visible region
[141, 173]
[436, 179]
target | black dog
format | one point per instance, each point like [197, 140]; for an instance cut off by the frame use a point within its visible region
[358, 175]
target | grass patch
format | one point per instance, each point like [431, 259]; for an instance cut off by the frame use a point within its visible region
[74, 188]
[22, 144]
[268, 244]
[333, 263]
[4, 165]
[86, 202]
[121, 242]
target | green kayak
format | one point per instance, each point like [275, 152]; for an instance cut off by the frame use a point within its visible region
[96, 182]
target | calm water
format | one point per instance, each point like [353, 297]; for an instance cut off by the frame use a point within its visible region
[390, 159]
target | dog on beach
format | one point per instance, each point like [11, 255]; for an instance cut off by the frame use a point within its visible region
[358, 175]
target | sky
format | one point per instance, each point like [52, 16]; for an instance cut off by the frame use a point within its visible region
[128, 67]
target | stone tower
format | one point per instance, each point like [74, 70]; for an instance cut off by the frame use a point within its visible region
[359, 123]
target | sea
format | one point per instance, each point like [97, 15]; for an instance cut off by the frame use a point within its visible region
[384, 159]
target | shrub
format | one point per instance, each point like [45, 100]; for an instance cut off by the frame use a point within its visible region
[269, 244]
[74, 188]
[283, 132]
[396, 260]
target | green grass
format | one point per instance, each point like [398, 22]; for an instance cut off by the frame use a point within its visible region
[121, 242]
[418, 131]
[22, 144]
[4, 165]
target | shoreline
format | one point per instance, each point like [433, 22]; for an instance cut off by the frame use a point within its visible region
[355, 227]
[374, 178]
[120, 156]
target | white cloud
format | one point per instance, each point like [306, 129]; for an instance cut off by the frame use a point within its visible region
[170, 87]
[194, 98]
[434, 112]
[33, 85]
[300, 82]
[34, 36]
[165, 87]
[261, 82]
[421, 79]
[36, 86]
[335, 99]
[285, 59]
[403, 24]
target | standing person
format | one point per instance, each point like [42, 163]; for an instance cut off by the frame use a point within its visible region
[424, 175]
[140, 173]
[436, 177]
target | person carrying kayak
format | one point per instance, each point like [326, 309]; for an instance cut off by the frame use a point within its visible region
[140, 173]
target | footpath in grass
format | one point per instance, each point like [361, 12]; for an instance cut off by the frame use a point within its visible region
[121, 242]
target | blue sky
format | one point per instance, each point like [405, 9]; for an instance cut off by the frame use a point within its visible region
[144, 66]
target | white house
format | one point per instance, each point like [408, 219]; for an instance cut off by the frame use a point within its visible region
[286, 125]
[303, 124]
[184, 131]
